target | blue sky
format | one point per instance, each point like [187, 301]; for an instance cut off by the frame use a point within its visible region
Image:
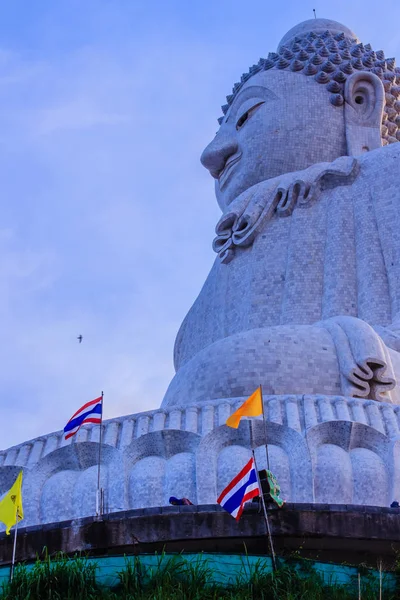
[107, 216]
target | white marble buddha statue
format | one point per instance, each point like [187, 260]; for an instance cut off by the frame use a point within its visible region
[304, 295]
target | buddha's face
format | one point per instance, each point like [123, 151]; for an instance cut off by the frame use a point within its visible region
[278, 123]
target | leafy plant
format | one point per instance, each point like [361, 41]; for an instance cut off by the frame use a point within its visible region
[178, 578]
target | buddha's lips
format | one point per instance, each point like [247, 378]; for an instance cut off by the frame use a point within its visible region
[224, 174]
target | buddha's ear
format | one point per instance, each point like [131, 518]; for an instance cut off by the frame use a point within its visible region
[364, 96]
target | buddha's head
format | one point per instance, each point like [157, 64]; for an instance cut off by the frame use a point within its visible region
[321, 96]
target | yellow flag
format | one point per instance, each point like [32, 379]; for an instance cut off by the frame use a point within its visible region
[11, 505]
[252, 407]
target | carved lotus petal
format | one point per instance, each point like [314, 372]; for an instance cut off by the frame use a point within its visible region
[333, 48]
[336, 99]
[356, 52]
[339, 36]
[268, 64]
[339, 76]
[288, 54]
[324, 52]
[391, 63]
[345, 54]
[395, 91]
[310, 69]
[322, 77]
[303, 55]
[282, 63]
[317, 59]
[378, 71]
[368, 61]
[389, 76]
[254, 69]
[346, 68]
[296, 65]
[357, 63]
[334, 87]
[344, 43]
[336, 59]
[328, 67]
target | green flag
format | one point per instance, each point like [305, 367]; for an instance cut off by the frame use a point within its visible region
[274, 489]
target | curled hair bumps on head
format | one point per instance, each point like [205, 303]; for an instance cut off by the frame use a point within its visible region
[330, 59]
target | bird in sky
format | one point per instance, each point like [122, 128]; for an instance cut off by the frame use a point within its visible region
[80, 338]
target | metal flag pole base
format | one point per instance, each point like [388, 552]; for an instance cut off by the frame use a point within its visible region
[99, 502]
[99, 495]
[14, 548]
[271, 543]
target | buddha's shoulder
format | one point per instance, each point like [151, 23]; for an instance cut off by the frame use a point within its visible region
[383, 162]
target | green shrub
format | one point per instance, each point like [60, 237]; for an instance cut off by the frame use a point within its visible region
[177, 578]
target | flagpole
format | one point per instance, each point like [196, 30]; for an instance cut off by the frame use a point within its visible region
[271, 544]
[99, 503]
[265, 427]
[14, 547]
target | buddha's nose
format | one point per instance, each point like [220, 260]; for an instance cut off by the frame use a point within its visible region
[216, 154]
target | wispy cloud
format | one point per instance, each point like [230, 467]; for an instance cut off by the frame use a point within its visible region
[100, 224]
[107, 216]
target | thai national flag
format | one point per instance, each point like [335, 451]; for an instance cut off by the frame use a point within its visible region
[88, 413]
[241, 489]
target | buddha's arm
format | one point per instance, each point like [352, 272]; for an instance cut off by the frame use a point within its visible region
[390, 334]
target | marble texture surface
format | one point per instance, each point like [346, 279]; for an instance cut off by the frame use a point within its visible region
[303, 297]
[327, 449]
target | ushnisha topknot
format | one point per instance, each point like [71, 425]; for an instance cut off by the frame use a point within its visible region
[330, 58]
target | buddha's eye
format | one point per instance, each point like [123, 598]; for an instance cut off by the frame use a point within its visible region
[242, 120]
[246, 116]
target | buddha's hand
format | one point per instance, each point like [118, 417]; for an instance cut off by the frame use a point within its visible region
[365, 365]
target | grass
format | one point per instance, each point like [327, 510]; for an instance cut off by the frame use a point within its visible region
[176, 578]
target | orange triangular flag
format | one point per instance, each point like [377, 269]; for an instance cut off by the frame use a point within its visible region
[252, 407]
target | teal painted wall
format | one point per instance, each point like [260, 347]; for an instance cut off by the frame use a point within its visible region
[225, 568]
